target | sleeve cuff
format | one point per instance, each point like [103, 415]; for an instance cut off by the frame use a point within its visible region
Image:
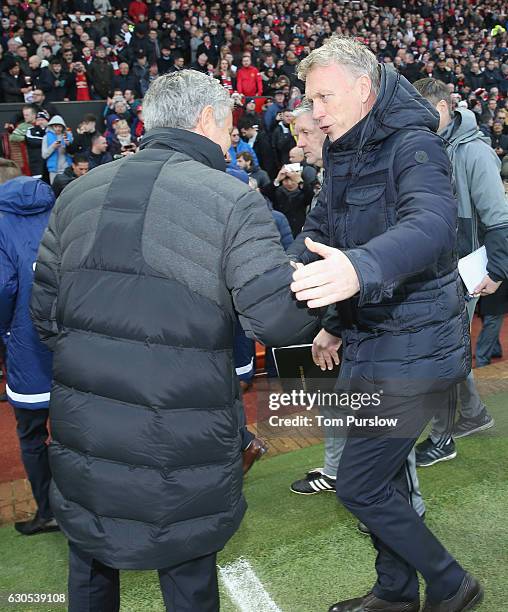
[369, 275]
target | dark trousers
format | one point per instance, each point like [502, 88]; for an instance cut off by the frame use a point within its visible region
[188, 587]
[372, 484]
[32, 429]
[488, 340]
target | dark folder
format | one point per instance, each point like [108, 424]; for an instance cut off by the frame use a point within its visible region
[297, 370]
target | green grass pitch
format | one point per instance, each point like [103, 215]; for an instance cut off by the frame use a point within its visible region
[306, 550]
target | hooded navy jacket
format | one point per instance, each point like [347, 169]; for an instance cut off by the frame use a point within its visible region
[25, 205]
[387, 203]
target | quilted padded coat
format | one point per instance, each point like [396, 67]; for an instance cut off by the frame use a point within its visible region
[139, 275]
[387, 202]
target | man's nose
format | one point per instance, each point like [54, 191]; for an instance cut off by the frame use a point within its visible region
[317, 110]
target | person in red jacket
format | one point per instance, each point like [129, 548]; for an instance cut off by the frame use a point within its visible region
[248, 78]
[137, 8]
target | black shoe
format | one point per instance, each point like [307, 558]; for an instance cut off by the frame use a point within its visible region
[362, 527]
[314, 482]
[428, 453]
[466, 427]
[36, 525]
[469, 595]
[370, 603]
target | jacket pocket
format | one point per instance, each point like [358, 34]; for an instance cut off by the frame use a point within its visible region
[366, 213]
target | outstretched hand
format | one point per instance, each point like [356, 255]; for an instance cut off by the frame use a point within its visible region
[330, 280]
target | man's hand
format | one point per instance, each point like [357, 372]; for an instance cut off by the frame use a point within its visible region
[325, 350]
[281, 176]
[325, 282]
[486, 287]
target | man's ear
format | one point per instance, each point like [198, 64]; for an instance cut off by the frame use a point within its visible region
[206, 121]
[365, 85]
[442, 108]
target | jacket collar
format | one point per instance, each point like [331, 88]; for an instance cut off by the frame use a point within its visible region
[194, 145]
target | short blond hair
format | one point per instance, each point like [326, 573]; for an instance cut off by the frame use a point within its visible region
[345, 51]
[8, 170]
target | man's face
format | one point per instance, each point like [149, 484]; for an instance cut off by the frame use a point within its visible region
[249, 132]
[124, 68]
[41, 122]
[246, 61]
[336, 98]
[235, 136]
[202, 59]
[242, 163]
[290, 184]
[179, 62]
[497, 128]
[101, 53]
[101, 144]
[38, 96]
[34, 62]
[287, 117]
[296, 155]
[28, 115]
[80, 168]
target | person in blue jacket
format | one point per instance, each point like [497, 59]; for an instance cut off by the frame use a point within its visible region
[25, 205]
[239, 146]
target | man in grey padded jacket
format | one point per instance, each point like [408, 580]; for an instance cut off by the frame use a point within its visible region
[145, 265]
[482, 220]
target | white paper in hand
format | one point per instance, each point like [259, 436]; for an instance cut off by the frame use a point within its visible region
[473, 268]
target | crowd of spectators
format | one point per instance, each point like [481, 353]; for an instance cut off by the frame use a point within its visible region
[82, 50]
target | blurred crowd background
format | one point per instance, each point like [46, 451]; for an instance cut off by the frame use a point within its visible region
[111, 50]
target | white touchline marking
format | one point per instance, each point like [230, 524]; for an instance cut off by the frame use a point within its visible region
[245, 588]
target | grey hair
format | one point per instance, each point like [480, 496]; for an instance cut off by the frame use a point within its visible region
[305, 107]
[345, 51]
[177, 100]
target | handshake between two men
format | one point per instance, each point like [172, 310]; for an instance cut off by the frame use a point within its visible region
[322, 283]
